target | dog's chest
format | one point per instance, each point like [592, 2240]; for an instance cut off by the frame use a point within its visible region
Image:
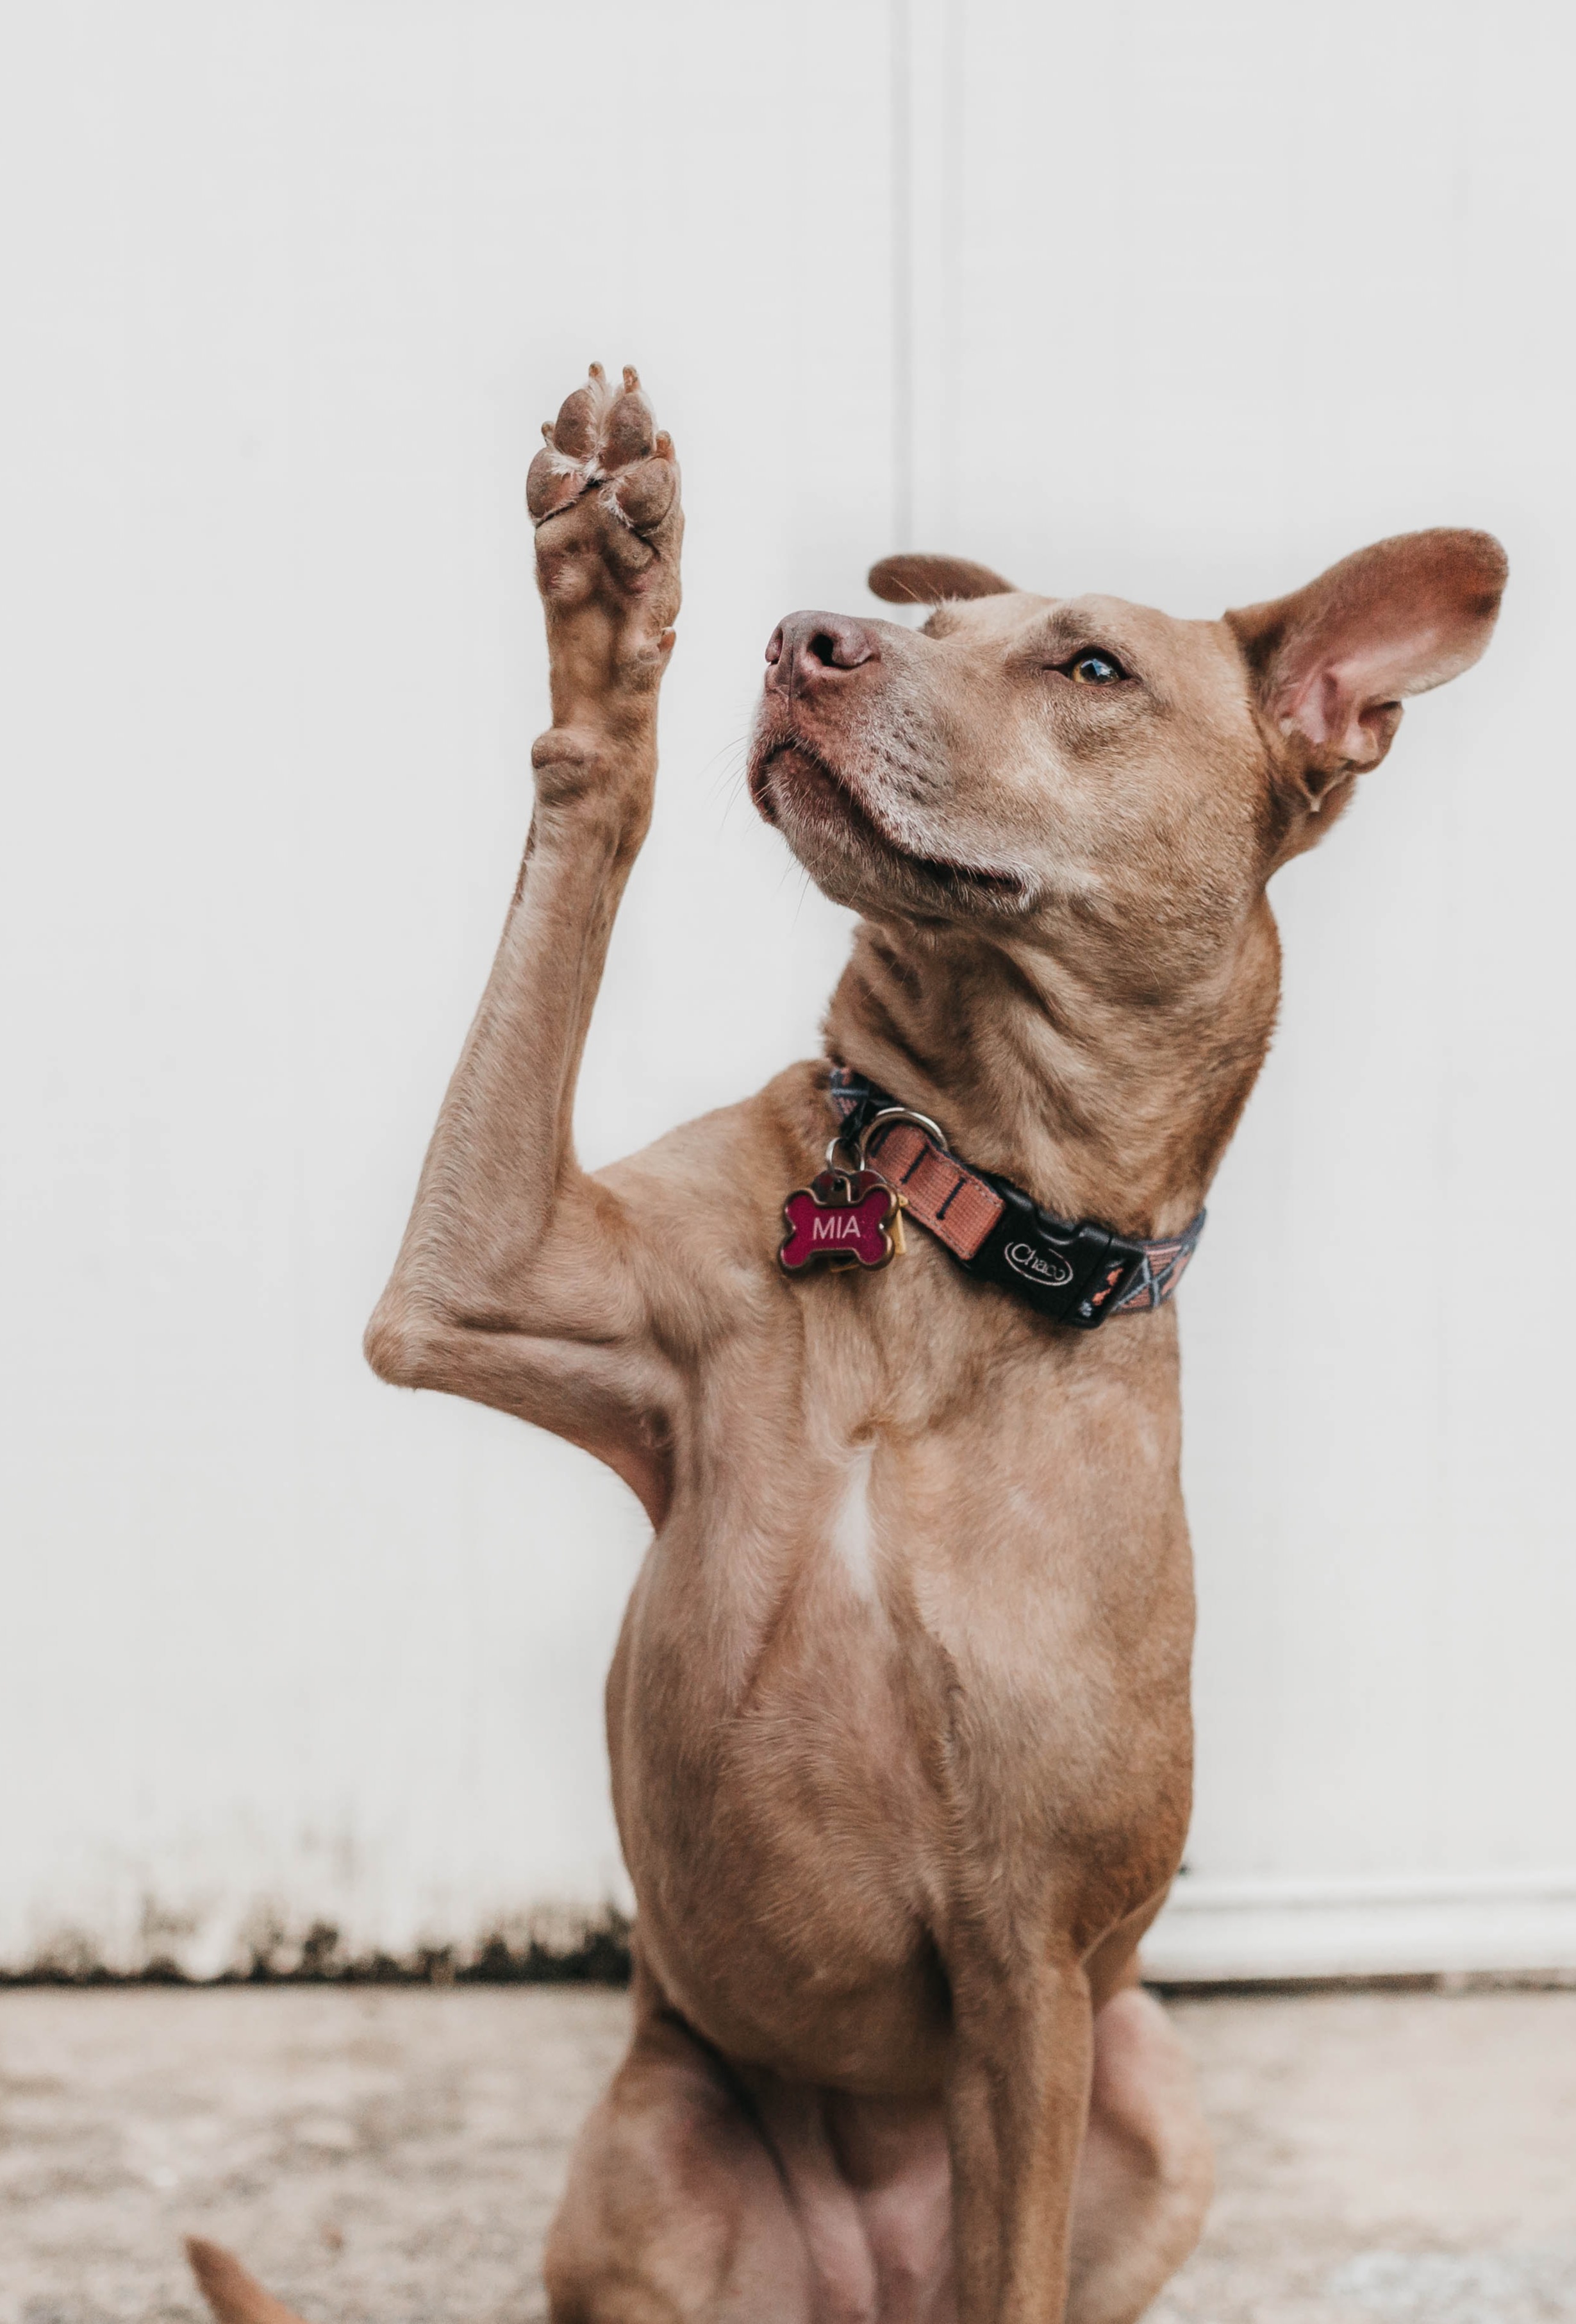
[924, 1617]
[912, 1501]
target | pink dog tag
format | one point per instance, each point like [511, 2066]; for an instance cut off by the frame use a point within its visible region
[849, 1219]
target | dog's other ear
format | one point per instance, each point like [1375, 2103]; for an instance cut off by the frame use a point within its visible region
[926, 580]
[1331, 662]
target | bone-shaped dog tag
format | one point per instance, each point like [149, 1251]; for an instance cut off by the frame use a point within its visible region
[847, 1218]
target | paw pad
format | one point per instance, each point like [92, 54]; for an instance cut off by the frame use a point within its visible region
[604, 438]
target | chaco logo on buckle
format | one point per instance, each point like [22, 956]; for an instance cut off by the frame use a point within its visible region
[1047, 1267]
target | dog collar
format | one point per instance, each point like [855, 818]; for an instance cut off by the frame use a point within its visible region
[1074, 1270]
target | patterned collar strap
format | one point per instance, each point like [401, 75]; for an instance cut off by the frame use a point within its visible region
[1074, 1270]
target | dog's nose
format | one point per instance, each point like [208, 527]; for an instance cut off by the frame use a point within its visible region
[808, 650]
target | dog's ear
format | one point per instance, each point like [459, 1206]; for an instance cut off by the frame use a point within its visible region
[926, 580]
[1331, 663]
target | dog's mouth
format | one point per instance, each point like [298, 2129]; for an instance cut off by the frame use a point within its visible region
[806, 798]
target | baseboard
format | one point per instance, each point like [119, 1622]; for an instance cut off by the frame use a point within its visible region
[1215, 1930]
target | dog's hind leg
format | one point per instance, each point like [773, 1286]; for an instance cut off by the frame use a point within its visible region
[1145, 2177]
[676, 2212]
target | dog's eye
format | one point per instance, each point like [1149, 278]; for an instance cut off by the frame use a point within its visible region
[1093, 667]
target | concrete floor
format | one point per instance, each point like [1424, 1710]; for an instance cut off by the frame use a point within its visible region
[394, 2156]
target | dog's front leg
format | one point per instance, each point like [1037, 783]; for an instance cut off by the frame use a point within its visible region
[1018, 2099]
[519, 1281]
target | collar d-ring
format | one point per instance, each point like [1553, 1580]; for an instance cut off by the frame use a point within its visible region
[889, 1114]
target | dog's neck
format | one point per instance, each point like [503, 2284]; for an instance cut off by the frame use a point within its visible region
[1100, 1105]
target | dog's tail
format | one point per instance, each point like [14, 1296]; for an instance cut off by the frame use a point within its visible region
[235, 2297]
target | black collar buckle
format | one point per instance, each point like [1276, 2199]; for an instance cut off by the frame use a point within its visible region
[1071, 1270]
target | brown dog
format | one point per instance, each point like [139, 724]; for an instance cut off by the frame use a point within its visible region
[899, 1719]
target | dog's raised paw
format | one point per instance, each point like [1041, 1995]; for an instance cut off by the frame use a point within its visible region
[605, 441]
[603, 495]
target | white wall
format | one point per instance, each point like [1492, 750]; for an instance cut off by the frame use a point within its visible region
[1180, 302]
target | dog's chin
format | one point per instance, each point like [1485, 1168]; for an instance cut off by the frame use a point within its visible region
[852, 859]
